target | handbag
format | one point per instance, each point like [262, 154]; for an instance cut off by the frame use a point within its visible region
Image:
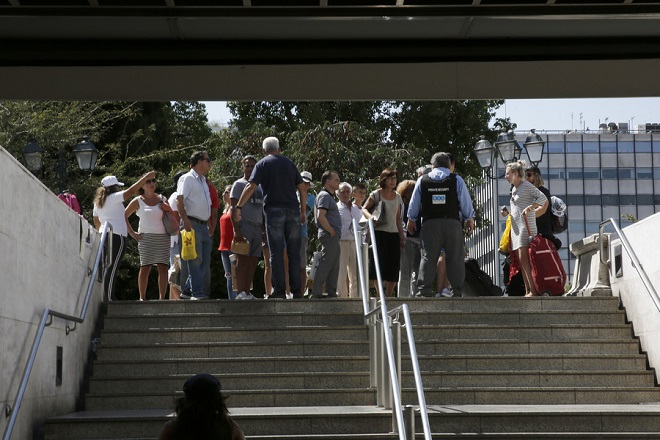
[378, 214]
[505, 241]
[170, 223]
[188, 249]
[240, 247]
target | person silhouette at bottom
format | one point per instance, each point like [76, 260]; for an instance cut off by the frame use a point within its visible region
[202, 413]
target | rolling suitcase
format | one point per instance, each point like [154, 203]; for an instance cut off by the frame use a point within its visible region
[547, 269]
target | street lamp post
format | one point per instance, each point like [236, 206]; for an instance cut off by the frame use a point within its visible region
[85, 152]
[508, 150]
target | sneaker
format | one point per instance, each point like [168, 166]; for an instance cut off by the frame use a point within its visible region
[243, 295]
[186, 295]
[445, 293]
[289, 295]
[200, 296]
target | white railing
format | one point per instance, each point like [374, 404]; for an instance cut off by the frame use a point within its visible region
[386, 377]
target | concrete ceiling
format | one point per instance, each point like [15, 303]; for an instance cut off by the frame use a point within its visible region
[328, 49]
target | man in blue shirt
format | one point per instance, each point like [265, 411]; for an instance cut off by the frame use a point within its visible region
[328, 220]
[279, 179]
[443, 200]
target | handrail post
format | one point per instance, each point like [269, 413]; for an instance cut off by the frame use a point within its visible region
[396, 345]
[380, 373]
[409, 417]
[374, 355]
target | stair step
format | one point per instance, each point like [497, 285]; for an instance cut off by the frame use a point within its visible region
[499, 347]
[308, 364]
[231, 349]
[354, 422]
[206, 334]
[238, 398]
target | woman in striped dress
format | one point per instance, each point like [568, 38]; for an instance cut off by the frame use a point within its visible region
[153, 241]
[526, 201]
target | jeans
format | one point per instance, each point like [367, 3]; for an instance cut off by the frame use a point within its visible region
[198, 267]
[283, 231]
[226, 264]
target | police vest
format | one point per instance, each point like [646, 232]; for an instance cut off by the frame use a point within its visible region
[439, 198]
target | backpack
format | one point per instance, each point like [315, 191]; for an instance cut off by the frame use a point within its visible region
[71, 200]
[478, 282]
[559, 215]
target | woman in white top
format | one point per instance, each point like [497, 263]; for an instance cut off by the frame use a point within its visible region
[153, 240]
[390, 238]
[109, 207]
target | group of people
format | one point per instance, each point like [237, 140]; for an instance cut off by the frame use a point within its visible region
[419, 228]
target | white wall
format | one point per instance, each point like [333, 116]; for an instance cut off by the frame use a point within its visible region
[43, 264]
[641, 310]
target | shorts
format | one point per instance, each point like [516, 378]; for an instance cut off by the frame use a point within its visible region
[252, 232]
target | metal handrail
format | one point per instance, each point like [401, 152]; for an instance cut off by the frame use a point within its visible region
[631, 253]
[370, 316]
[46, 320]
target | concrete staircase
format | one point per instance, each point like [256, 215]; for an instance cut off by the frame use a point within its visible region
[505, 368]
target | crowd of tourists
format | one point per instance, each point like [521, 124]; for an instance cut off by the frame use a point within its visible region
[266, 214]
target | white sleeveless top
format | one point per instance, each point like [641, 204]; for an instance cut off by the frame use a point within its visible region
[151, 219]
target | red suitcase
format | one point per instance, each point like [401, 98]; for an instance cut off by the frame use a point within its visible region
[547, 269]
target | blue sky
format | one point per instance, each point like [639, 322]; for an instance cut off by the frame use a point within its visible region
[547, 114]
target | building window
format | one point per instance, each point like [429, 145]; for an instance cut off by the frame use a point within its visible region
[575, 200]
[504, 200]
[644, 173]
[627, 199]
[609, 173]
[590, 147]
[574, 173]
[608, 147]
[645, 199]
[576, 226]
[574, 147]
[555, 147]
[626, 147]
[556, 173]
[611, 199]
[626, 173]
[643, 147]
[591, 173]
[593, 199]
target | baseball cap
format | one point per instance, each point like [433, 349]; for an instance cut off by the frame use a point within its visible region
[109, 181]
[307, 176]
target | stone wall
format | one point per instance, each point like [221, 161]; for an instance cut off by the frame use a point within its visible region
[44, 261]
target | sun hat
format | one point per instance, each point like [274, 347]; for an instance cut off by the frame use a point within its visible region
[307, 176]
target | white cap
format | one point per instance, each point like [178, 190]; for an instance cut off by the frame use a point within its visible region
[109, 181]
[307, 176]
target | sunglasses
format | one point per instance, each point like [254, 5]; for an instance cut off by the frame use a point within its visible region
[150, 181]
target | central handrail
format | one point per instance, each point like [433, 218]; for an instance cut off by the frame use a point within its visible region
[633, 256]
[370, 316]
[46, 320]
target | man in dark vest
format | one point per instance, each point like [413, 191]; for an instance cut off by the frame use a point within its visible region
[443, 201]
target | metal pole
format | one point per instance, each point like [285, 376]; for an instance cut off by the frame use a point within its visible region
[396, 345]
[373, 349]
[409, 417]
[380, 367]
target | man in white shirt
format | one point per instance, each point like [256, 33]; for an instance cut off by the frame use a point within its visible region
[194, 206]
[347, 256]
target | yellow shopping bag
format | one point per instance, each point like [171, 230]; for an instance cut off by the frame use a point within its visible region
[505, 241]
[188, 250]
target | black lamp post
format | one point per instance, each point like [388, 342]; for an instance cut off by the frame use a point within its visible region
[33, 155]
[508, 149]
[85, 152]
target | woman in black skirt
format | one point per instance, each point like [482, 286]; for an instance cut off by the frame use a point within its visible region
[390, 238]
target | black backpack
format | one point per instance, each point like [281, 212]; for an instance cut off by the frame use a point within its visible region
[478, 282]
